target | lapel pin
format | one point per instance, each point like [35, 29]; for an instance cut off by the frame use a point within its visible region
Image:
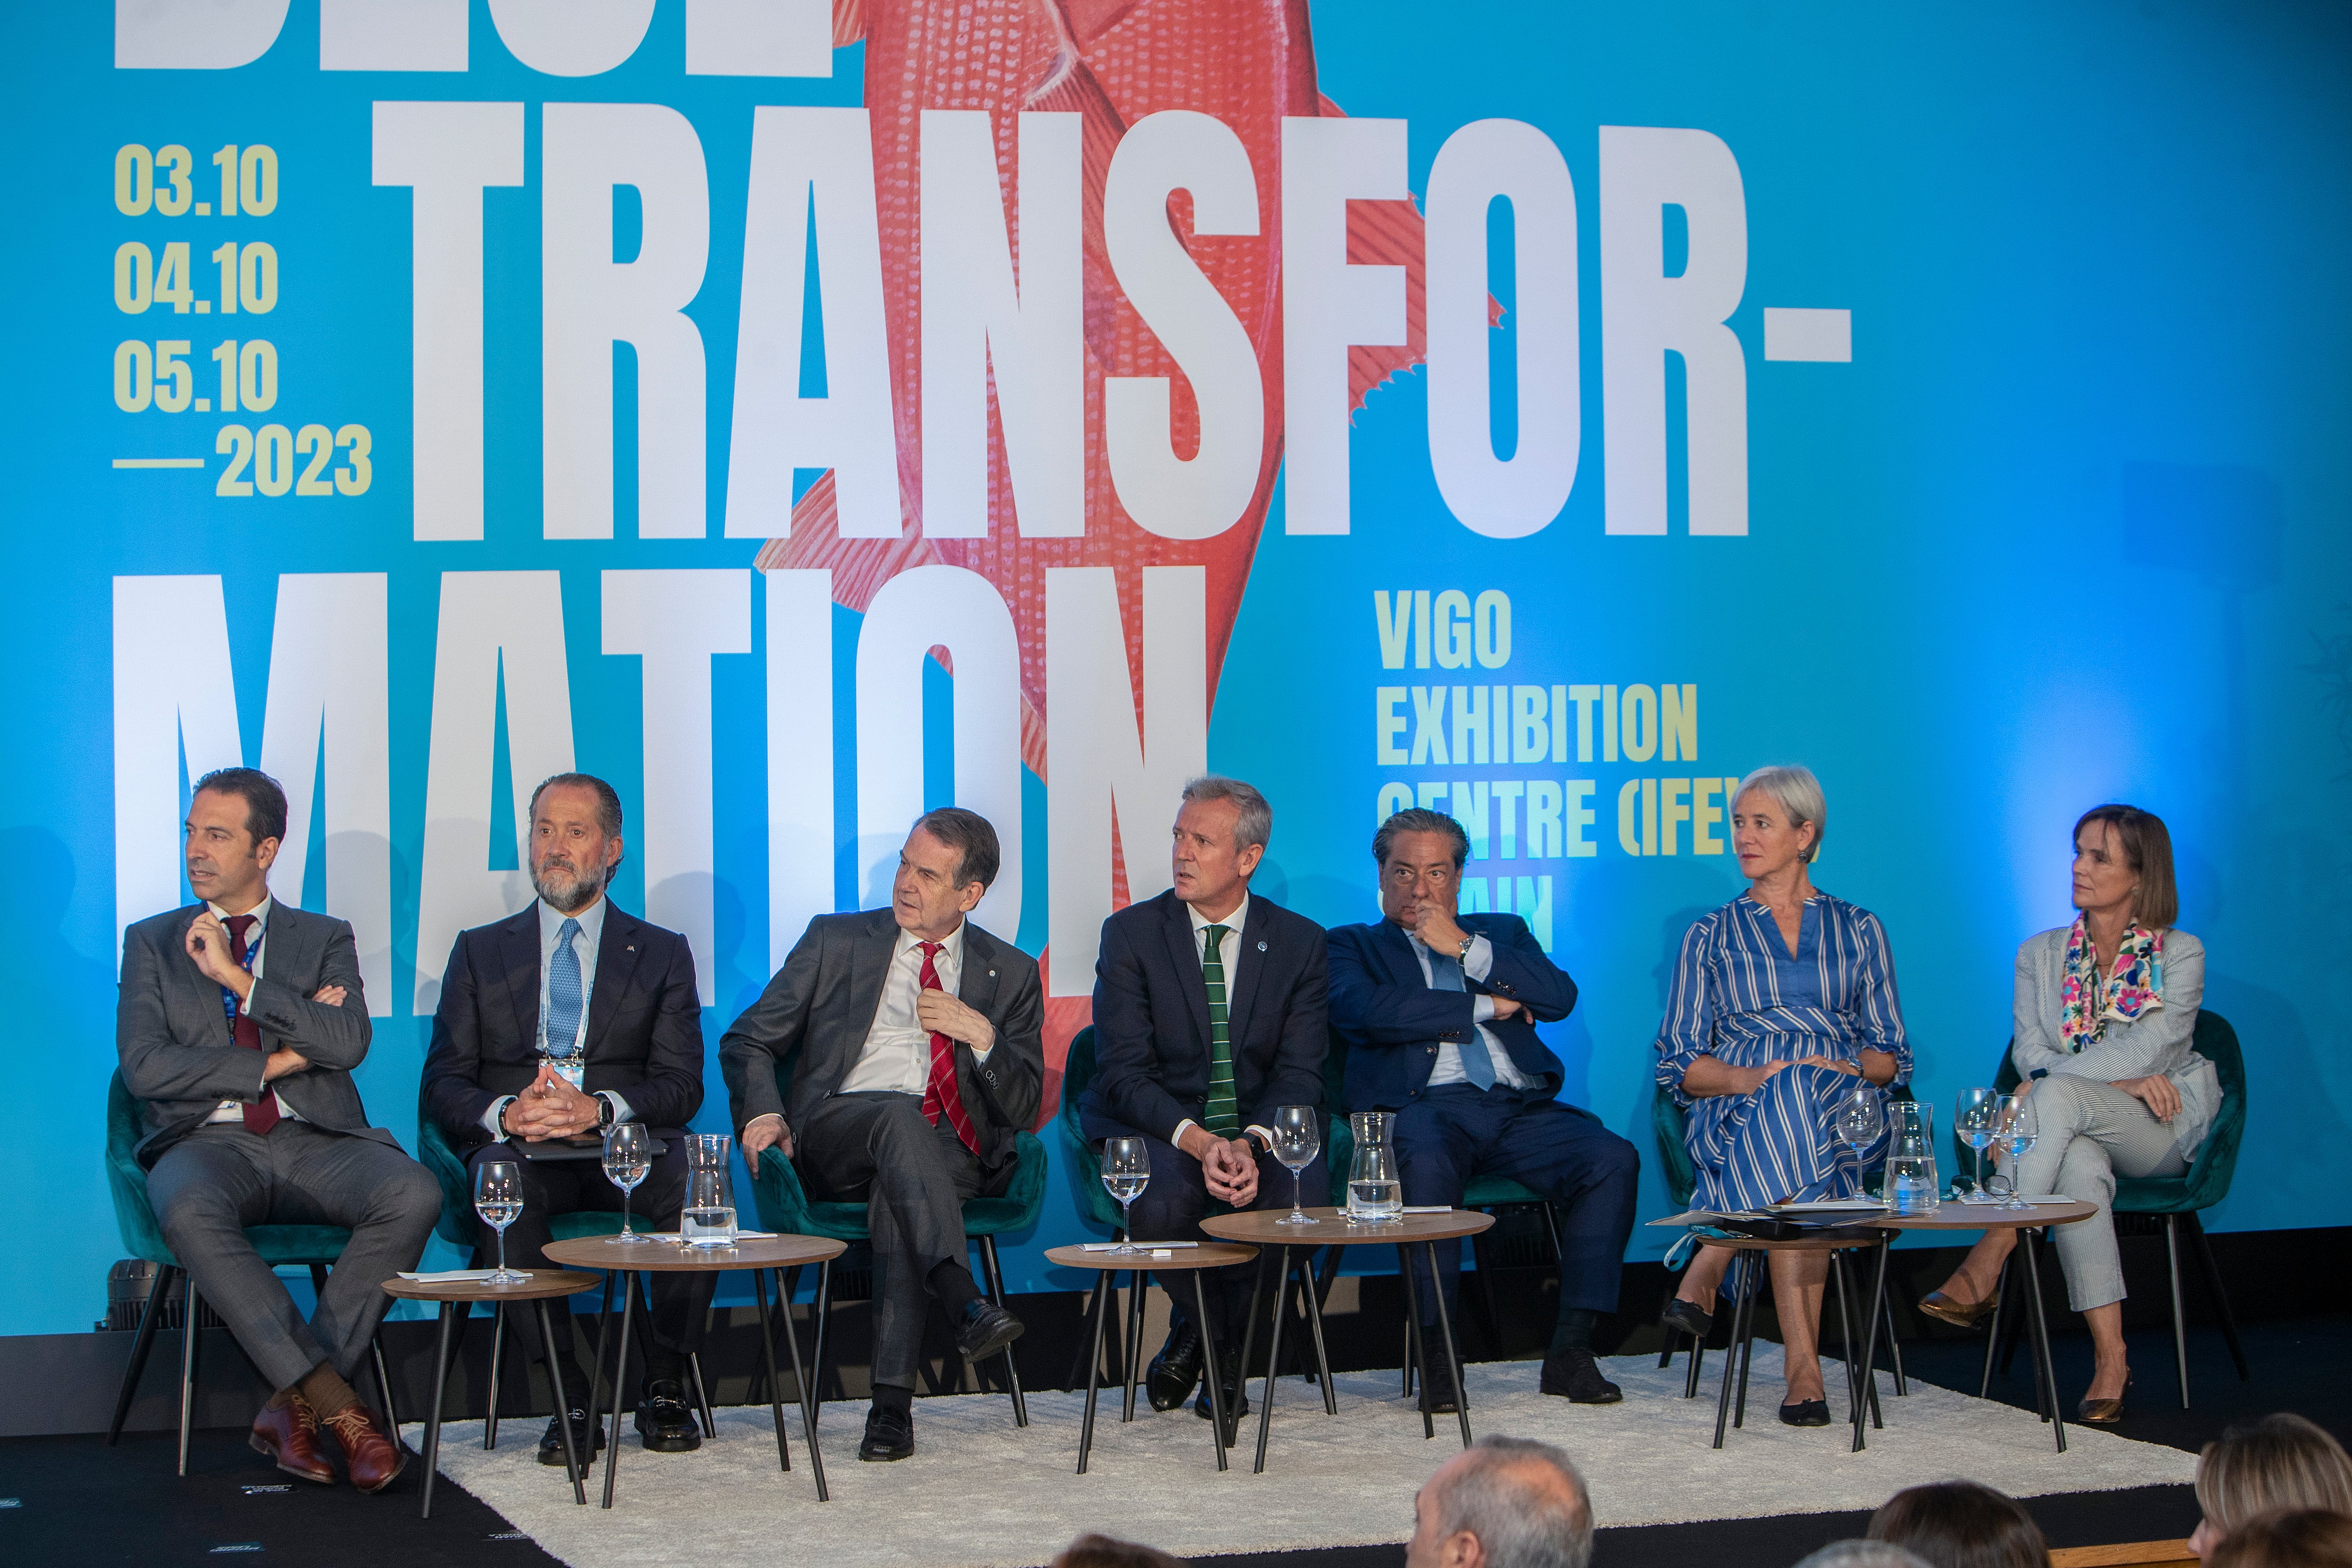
[991, 974]
[1261, 947]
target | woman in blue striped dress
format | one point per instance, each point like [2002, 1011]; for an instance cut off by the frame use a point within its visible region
[1780, 1000]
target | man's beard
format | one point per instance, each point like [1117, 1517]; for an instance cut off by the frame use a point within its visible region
[563, 887]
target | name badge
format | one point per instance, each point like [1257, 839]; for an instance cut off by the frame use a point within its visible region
[571, 1069]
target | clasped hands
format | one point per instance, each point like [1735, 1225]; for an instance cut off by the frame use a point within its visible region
[2156, 1091]
[1228, 1164]
[548, 1107]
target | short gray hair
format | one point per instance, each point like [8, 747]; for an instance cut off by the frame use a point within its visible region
[1519, 1525]
[1255, 824]
[1796, 792]
[1864, 1554]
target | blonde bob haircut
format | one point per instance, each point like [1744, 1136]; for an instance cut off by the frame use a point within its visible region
[2279, 1462]
[1797, 793]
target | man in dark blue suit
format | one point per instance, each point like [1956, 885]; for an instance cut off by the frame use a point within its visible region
[1209, 1014]
[1438, 1012]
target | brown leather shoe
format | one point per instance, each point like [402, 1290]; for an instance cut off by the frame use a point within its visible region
[1960, 1314]
[372, 1460]
[289, 1436]
[2102, 1412]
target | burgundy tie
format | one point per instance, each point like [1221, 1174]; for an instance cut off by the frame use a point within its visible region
[262, 1114]
[940, 1093]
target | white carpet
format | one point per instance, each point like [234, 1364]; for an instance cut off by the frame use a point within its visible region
[981, 1493]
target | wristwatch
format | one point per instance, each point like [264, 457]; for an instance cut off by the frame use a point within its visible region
[503, 1132]
[604, 1114]
[1463, 950]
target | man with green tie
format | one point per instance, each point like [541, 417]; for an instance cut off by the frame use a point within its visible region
[1209, 1013]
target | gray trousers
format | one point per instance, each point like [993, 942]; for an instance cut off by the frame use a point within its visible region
[876, 1148]
[219, 1179]
[2089, 1133]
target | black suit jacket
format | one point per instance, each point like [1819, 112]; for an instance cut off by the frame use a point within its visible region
[180, 1058]
[815, 1014]
[1392, 1021]
[645, 1024]
[1152, 1018]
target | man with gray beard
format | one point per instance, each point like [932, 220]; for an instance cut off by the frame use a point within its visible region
[554, 1025]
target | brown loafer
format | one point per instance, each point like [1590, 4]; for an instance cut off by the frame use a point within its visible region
[288, 1437]
[1960, 1314]
[372, 1460]
[2102, 1412]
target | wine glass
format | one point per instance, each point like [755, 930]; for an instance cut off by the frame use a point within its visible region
[497, 1198]
[1126, 1172]
[1861, 1118]
[2018, 1129]
[1297, 1139]
[1972, 1116]
[628, 1155]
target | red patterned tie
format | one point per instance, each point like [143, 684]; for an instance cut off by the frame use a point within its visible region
[940, 1093]
[262, 1114]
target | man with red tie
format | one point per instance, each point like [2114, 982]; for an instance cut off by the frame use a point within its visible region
[913, 1041]
[240, 1023]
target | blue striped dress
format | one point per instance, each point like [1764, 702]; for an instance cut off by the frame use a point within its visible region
[1741, 996]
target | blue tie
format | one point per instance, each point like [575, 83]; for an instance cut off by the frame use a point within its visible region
[563, 993]
[1477, 1064]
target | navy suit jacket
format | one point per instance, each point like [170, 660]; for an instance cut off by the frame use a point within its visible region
[1392, 1021]
[645, 1024]
[1151, 1019]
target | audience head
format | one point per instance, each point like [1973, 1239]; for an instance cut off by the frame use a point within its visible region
[575, 839]
[1092, 1551]
[1420, 854]
[2123, 860]
[1777, 817]
[1862, 1554]
[2296, 1538]
[944, 868]
[1503, 1502]
[1220, 836]
[1960, 1524]
[235, 821]
[2278, 1462]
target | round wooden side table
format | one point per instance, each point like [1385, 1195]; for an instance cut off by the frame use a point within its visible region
[1139, 1261]
[1953, 1215]
[539, 1289]
[762, 1255]
[1331, 1228]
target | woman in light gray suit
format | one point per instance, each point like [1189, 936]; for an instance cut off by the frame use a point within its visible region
[2106, 1012]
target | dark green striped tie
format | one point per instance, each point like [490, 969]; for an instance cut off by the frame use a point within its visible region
[1222, 1115]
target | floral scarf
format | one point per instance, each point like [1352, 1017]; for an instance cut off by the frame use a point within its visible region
[2131, 988]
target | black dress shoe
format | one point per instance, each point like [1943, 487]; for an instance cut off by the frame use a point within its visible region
[1574, 1376]
[1176, 1370]
[985, 1329]
[889, 1434]
[1685, 1317]
[587, 1441]
[1437, 1393]
[665, 1422]
[1806, 1412]
[1229, 1387]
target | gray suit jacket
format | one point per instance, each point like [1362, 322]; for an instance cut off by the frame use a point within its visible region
[2158, 1043]
[820, 1006]
[179, 1057]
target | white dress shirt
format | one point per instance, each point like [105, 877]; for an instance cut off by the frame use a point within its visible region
[234, 1109]
[584, 943]
[1229, 953]
[897, 1056]
[1476, 965]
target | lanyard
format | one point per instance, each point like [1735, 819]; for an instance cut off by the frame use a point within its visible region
[228, 995]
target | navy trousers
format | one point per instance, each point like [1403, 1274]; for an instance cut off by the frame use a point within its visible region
[1170, 1208]
[1454, 1134]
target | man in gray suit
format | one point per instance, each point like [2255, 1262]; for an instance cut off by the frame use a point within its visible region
[920, 1058]
[240, 1023]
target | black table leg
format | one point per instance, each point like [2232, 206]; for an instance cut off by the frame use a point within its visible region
[801, 1376]
[498, 1345]
[2000, 1287]
[1210, 1369]
[562, 1406]
[620, 1380]
[1314, 1322]
[596, 1378]
[1093, 1363]
[2049, 1373]
[1453, 1355]
[1745, 1349]
[1273, 1359]
[1845, 1331]
[433, 1417]
[1139, 1281]
[1739, 1278]
[1870, 1339]
[767, 1365]
[1415, 1352]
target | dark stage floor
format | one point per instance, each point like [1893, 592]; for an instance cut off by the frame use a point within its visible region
[72, 1500]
